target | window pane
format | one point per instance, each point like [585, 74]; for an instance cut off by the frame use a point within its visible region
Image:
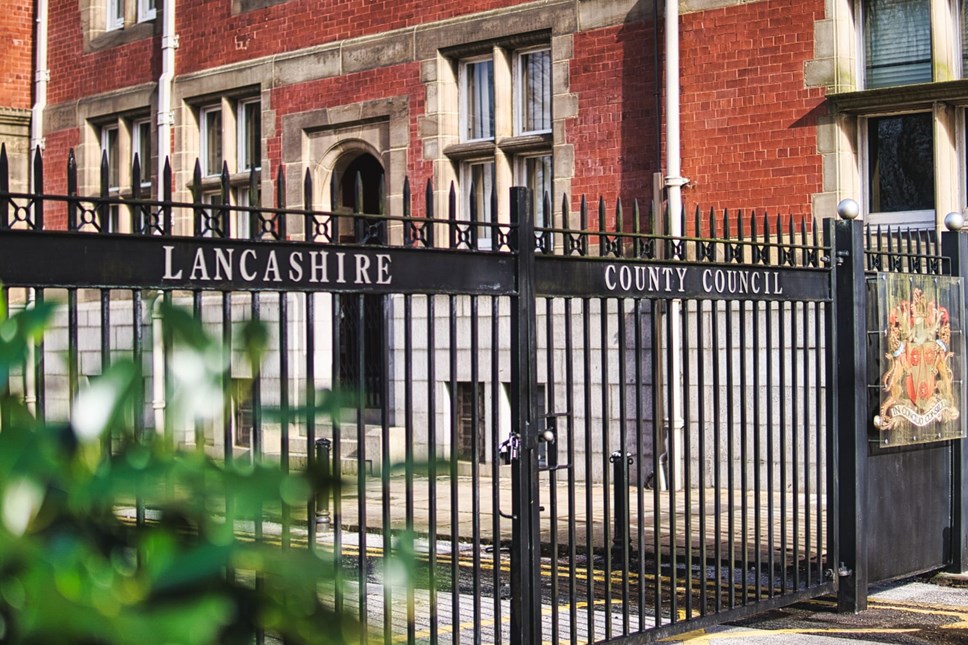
[109, 145]
[250, 140]
[212, 140]
[480, 194]
[537, 171]
[536, 91]
[479, 100]
[901, 163]
[897, 36]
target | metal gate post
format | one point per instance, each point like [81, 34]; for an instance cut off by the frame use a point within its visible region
[525, 537]
[847, 347]
[954, 245]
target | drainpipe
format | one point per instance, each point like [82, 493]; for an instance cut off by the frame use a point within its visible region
[169, 43]
[41, 78]
[674, 182]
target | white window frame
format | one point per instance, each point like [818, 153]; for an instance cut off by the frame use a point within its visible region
[145, 159]
[519, 93]
[485, 232]
[521, 179]
[203, 129]
[145, 11]
[241, 123]
[114, 15]
[465, 98]
[913, 218]
[105, 134]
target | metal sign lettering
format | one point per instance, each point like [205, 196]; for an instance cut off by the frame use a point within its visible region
[569, 277]
[83, 260]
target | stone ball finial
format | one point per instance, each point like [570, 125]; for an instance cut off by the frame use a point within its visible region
[848, 209]
[954, 221]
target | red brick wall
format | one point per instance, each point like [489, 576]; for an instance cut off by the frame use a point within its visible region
[613, 136]
[16, 63]
[211, 36]
[75, 74]
[748, 123]
[58, 144]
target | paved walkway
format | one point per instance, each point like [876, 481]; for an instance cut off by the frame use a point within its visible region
[906, 613]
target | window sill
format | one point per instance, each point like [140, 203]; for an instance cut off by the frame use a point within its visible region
[122, 36]
[526, 143]
[470, 150]
[214, 182]
[910, 97]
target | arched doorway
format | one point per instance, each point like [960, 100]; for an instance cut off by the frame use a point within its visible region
[362, 319]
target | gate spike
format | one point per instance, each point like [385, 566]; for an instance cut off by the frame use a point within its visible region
[452, 215]
[71, 191]
[697, 216]
[223, 209]
[565, 215]
[583, 223]
[309, 219]
[407, 222]
[4, 186]
[166, 197]
[38, 189]
[549, 219]
[429, 215]
[197, 197]
[137, 226]
[726, 231]
[382, 207]
[754, 235]
[602, 228]
[104, 211]
[712, 223]
[492, 230]
[472, 215]
[740, 229]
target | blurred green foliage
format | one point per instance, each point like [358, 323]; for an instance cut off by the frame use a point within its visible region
[74, 565]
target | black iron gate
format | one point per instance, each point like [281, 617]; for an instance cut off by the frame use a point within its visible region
[663, 423]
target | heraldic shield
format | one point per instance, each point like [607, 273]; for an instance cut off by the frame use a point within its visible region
[919, 321]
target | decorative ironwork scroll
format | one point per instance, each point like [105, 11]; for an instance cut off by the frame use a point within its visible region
[921, 352]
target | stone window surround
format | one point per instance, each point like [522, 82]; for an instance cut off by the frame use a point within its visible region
[124, 108]
[320, 140]
[440, 127]
[838, 67]
[95, 30]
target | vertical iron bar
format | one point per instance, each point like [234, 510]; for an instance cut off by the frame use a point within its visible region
[717, 461]
[606, 452]
[284, 407]
[701, 451]
[495, 465]
[309, 325]
[572, 505]
[454, 423]
[623, 519]
[744, 399]
[340, 308]
[362, 351]
[954, 245]
[730, 453]
[782, 430]
[658, 477]
[551, 409]
[589, 453]
[432, 465]
[525, 551]
[672, 452]
[409, 439]
[476, 422]
[849, 458]
[687, 458]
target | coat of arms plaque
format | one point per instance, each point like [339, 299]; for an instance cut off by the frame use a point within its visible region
[920, 329]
